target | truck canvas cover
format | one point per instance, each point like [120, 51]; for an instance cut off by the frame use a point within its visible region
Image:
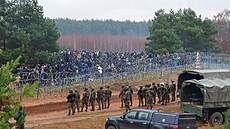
[213, 90]
[202, 74]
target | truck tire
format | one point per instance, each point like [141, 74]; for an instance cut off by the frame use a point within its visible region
[111, 127]
[216, 119]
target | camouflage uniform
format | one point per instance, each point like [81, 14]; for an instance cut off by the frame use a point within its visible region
[121, 95]
[144, 94]
[131, 96]
[140, 96]
[163, 92]
[108, 95]
[100, 98]
[127, 99]
[167, 92]
[149, 94]
[77, 100]
[92, 99]
[173, 91]
[154, 92]
[159, 94]
[71, 102]
[85, 100]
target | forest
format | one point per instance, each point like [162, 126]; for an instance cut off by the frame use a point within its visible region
[99, 27]
[79, 34]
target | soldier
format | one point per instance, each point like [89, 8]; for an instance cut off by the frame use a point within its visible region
[159, 91]
[131, 95]
[154, 92]
[149, 97]
[71, 102]
[164, 95]
[144, 94]
[85, 100]
[168, 92]
[140, 96]
[127, 99]
[173, 90]
[121, 95]
[77, 100]
[100, 98]
[108, 95]
[92, 99]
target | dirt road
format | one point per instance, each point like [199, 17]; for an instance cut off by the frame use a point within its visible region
[52, 113]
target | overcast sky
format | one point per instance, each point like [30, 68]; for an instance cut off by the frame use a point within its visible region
[137, 10]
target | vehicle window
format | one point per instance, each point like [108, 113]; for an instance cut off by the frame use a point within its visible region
[165, 118]
[130, 115]
[143, 116]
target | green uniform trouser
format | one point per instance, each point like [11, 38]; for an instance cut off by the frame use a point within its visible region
[131, 101]
[86, 105]
[173, 96]
[127, 106]
[78, 106]
[100, 103]
[149, 103]
[108, 101]
[92, 102]
[122, 101]
[71, 107]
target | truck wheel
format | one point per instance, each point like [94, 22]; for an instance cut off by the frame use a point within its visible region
[111, 127]
[216, 119]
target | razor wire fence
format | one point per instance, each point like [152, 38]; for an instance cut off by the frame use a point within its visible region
[134, 71]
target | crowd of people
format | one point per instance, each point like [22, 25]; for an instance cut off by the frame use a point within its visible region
[72, 66]
[147, 97]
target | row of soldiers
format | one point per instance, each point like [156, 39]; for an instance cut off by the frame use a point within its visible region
[147, 95]
[102, 96]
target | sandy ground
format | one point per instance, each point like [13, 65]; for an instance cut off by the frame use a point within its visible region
[48, 113]
[51, 113]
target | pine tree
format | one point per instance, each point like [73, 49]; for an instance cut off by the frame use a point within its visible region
[9, 96]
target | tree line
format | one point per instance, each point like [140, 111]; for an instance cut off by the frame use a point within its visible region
[182, 30]
[68, 26]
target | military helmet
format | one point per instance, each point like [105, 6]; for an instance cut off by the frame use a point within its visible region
[86, 89]
[162, 84]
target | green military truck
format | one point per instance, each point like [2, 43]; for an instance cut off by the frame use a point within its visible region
[207, 98]
[205, 93]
